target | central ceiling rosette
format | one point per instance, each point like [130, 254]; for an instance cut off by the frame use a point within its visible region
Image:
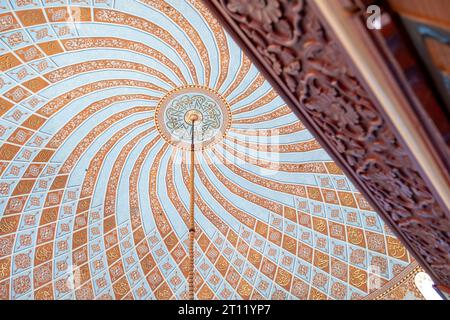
[175, 108]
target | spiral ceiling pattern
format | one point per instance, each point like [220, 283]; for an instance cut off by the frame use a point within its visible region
[94, 197]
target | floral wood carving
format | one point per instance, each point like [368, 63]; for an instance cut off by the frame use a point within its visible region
[291, 43]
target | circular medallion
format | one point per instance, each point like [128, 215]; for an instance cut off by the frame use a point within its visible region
[179, 107]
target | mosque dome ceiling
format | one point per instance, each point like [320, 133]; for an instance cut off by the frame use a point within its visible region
[94, 166]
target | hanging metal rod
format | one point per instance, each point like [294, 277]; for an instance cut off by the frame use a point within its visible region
[193, 118]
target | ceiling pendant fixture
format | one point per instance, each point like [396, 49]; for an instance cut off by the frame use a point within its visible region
[192, 118]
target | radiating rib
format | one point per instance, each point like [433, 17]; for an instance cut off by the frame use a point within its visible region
[77, 44]
[191, 32]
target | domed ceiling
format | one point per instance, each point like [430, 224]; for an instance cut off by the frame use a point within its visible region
[94, 166]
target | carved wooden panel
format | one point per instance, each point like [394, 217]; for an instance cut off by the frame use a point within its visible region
[309, 69]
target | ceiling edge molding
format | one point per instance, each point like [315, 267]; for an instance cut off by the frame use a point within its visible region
[294, 46]
[404, 279]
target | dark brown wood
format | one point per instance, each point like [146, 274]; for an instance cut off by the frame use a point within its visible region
[299, 55]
